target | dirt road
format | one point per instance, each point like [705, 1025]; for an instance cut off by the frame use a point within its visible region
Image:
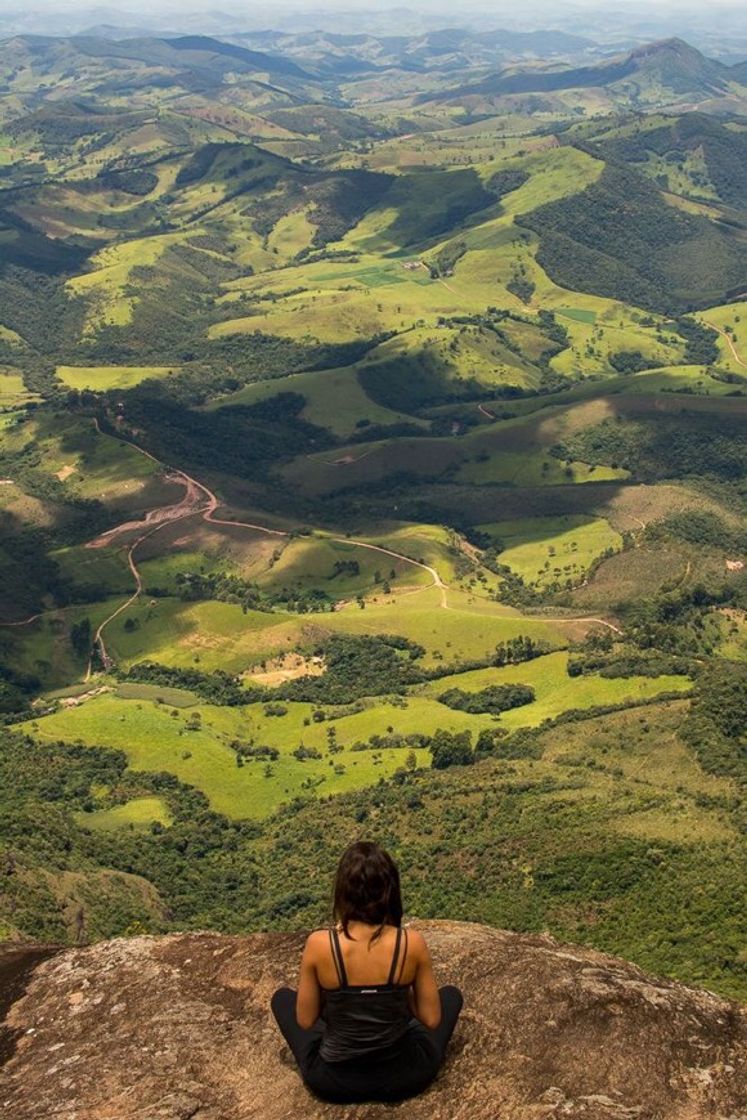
[729, 341]
[200, 501]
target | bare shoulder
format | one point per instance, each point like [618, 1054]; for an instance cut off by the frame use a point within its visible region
[316, 942]
[416, 944]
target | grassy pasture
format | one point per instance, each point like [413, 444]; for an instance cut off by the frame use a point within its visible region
[508, 452]
[155, 740]
[643, 571]
[602, 330]
[139, 813]
[469, 628]
[215, 635]
[334, 399]
[732, 634]
[465, 145]
[105, 568]
[308, 562]
[106, 289]
[99, 379]
[13, 391]
[43, 648]
[163, 571]
[91, 464]
[336, 302]
[732, 319]
[291, 233]
[208, 635]
[155, 737]
[579, 314]
[362, 463]
[676, 378]
[533, 469]
[195, 545]
[545, 549]
[159, 694]
[555, 691]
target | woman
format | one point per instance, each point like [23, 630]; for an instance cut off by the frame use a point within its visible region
[368, 1022]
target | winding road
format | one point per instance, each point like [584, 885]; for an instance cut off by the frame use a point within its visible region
[729, 340]
[200, 500]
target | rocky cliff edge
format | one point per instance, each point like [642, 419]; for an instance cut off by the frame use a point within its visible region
[178, 1028]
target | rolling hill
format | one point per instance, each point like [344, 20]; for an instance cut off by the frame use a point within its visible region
[663, 73]
[372, 456]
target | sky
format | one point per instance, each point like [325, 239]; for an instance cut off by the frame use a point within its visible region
[723, 20]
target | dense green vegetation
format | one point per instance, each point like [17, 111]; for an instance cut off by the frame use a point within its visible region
[619, 238]
[539, 855]
[494, 699]
[372, 462]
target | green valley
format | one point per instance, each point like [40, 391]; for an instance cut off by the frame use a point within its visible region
[373, 460]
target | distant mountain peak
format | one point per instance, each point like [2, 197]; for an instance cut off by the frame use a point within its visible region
[671, 64]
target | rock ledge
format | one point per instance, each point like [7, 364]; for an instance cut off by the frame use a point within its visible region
[178, 1028]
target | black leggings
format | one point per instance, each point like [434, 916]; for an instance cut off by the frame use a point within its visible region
[387, 1075]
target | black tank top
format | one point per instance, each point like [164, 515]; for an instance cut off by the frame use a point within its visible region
[363, 1018]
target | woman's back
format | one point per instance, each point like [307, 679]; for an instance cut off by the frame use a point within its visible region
[365, 961]
[368, 1021]
[364, 1010]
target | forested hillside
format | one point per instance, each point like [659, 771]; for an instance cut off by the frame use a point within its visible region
[372, 461]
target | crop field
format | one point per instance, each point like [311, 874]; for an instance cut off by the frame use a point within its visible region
[545, 550]
[101, 378]
[579, 314]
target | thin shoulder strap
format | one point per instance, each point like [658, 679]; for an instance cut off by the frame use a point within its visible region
[404, 954]
[395, 958]
[334, 944]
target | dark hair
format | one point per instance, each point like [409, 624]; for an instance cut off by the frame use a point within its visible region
[367, 888]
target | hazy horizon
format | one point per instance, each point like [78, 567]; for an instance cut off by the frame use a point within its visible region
[532, 16]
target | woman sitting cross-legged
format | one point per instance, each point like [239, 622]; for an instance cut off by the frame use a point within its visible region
[368, 1022]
